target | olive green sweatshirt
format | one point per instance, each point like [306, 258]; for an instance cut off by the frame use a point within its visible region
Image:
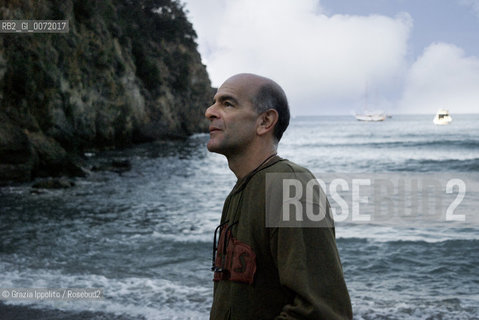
[275, 272]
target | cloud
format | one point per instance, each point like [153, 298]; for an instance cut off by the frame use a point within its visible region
[474, 4]
[320, 60]
[206, 16]
[443, 77]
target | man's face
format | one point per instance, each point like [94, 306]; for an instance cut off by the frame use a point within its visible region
[232, 116]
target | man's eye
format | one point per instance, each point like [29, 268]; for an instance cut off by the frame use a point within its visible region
[228, 104]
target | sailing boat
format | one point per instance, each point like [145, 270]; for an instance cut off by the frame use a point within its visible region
[370, 116]
[367, 116]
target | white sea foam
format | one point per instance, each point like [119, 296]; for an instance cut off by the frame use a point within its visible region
[192, 238]
[134, 296]
[143, 236]
[387, 233]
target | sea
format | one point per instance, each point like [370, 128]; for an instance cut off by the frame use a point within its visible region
[143, 237]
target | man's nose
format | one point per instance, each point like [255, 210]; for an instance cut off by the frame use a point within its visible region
[211, 112]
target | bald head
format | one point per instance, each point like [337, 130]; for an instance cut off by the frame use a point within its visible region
[248, 81]
[264, 94]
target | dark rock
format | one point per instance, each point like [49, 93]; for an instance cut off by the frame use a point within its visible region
[105, 84]
[53, 183]
[52, 159]
[73, 167]
[16, 153]
[121, 164]
[49, 154]
[118, 166]
[15, 146]
[21, 312]
[15, 173]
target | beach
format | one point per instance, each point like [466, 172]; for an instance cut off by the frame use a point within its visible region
[144, 236]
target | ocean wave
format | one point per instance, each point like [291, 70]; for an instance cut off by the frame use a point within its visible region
[376, 233]
[186, 238]
[430, 165]
[401, 308]
[449, 243]
[468, 144]
[133, 296]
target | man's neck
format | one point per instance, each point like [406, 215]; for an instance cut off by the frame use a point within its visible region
[244, 163]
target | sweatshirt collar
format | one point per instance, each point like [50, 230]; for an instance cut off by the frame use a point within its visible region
[241, 183]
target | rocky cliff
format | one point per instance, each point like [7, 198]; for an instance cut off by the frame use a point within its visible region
[127, 71]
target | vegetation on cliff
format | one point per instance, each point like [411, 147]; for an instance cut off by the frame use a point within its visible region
[127, 71]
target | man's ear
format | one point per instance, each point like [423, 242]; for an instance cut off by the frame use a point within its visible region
[266, 122]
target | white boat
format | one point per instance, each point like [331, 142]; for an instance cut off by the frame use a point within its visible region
[370, 117]
[442, 117]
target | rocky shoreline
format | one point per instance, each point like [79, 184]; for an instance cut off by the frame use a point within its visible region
[126, 73]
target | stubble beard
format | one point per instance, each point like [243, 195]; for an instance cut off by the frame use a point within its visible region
[225, 147]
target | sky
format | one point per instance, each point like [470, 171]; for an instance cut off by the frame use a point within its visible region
[347, 56]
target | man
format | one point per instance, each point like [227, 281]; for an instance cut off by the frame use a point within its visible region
[263, 271]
